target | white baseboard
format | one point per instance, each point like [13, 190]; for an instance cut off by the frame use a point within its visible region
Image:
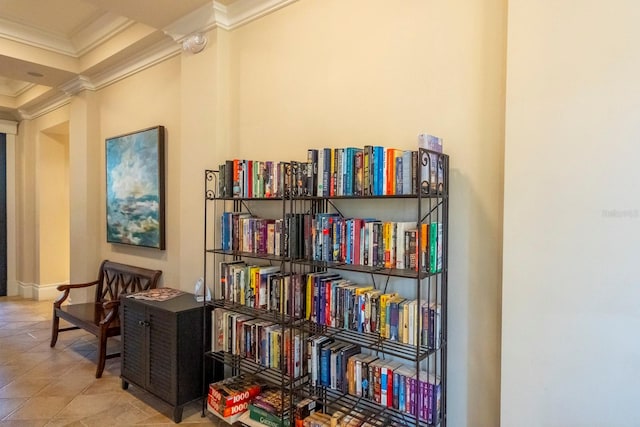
[38, 292]
[47, 292]
[25, 290]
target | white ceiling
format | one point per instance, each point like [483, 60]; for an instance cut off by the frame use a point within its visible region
[51, 48]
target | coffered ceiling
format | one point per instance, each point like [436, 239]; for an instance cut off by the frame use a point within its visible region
[50, 49]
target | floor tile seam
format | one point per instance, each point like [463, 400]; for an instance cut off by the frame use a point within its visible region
[83, 418]
[24, 376]
[65, 407]
[27, 400]
[6, 417]
[75, 421]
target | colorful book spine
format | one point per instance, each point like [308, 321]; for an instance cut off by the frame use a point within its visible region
[312, 172]
[413, 388]
[424, 247]
[367, 162]
[435, 247]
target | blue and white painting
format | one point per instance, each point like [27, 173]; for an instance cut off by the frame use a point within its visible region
[135, 188]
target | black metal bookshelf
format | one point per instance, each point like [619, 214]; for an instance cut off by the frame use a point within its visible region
[431, 205]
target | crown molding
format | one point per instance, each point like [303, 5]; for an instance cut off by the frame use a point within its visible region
[242, 12]
[210, 16]
[61, 96]
[200, 20]
[203, 19]
[155, 54]
[55, 100]
[92, 35]
[79, 83]
[36, 37]
[14, 93]
[99, 31]
[23, 89]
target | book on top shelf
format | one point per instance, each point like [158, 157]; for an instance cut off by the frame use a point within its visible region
[432, 168]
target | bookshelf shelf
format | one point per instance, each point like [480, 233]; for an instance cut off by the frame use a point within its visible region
[391, 272]
[296, 297]
[271, 316]
[373, 341]
[385, 197]
[254, 255]
[367, 410]
[274, 377]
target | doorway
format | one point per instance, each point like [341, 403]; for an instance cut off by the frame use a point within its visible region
[3, 214]
[53, 210]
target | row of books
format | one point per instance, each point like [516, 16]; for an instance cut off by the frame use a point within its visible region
[281, 348]
[244, 178]
[265, 343]
[329, 237]
[262, 287]
[339, 303]
[243, 232]
[326, 298]
[367, 171]
[335, 172]
[374, 243]
[392, 384]
[337, 366]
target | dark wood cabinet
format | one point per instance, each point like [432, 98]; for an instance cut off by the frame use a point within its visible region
[162, 349]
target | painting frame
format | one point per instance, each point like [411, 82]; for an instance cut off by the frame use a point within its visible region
[135, 188]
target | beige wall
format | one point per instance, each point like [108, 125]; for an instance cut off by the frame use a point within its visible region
[144, 100]
[41, 262]
[199, 100]
[320, 74]
[53, 206]
[334, 73]
[570, 353]
[25, 200]
[10, 128]
[86, 198]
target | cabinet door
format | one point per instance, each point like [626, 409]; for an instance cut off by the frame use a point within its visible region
[134, 351]
[189, 355]
[162, 354]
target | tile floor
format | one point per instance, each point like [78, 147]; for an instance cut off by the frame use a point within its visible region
[43, 386]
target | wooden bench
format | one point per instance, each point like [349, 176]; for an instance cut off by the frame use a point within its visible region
[100, 317]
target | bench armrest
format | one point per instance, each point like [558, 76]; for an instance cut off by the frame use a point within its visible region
[65, 289]
[111, 311]
[76, 286]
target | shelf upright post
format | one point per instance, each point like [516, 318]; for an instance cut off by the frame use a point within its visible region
[421, 155]
[210, 187]
[444, 291]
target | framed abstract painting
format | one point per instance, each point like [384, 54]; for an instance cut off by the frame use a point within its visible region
[135, 188]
